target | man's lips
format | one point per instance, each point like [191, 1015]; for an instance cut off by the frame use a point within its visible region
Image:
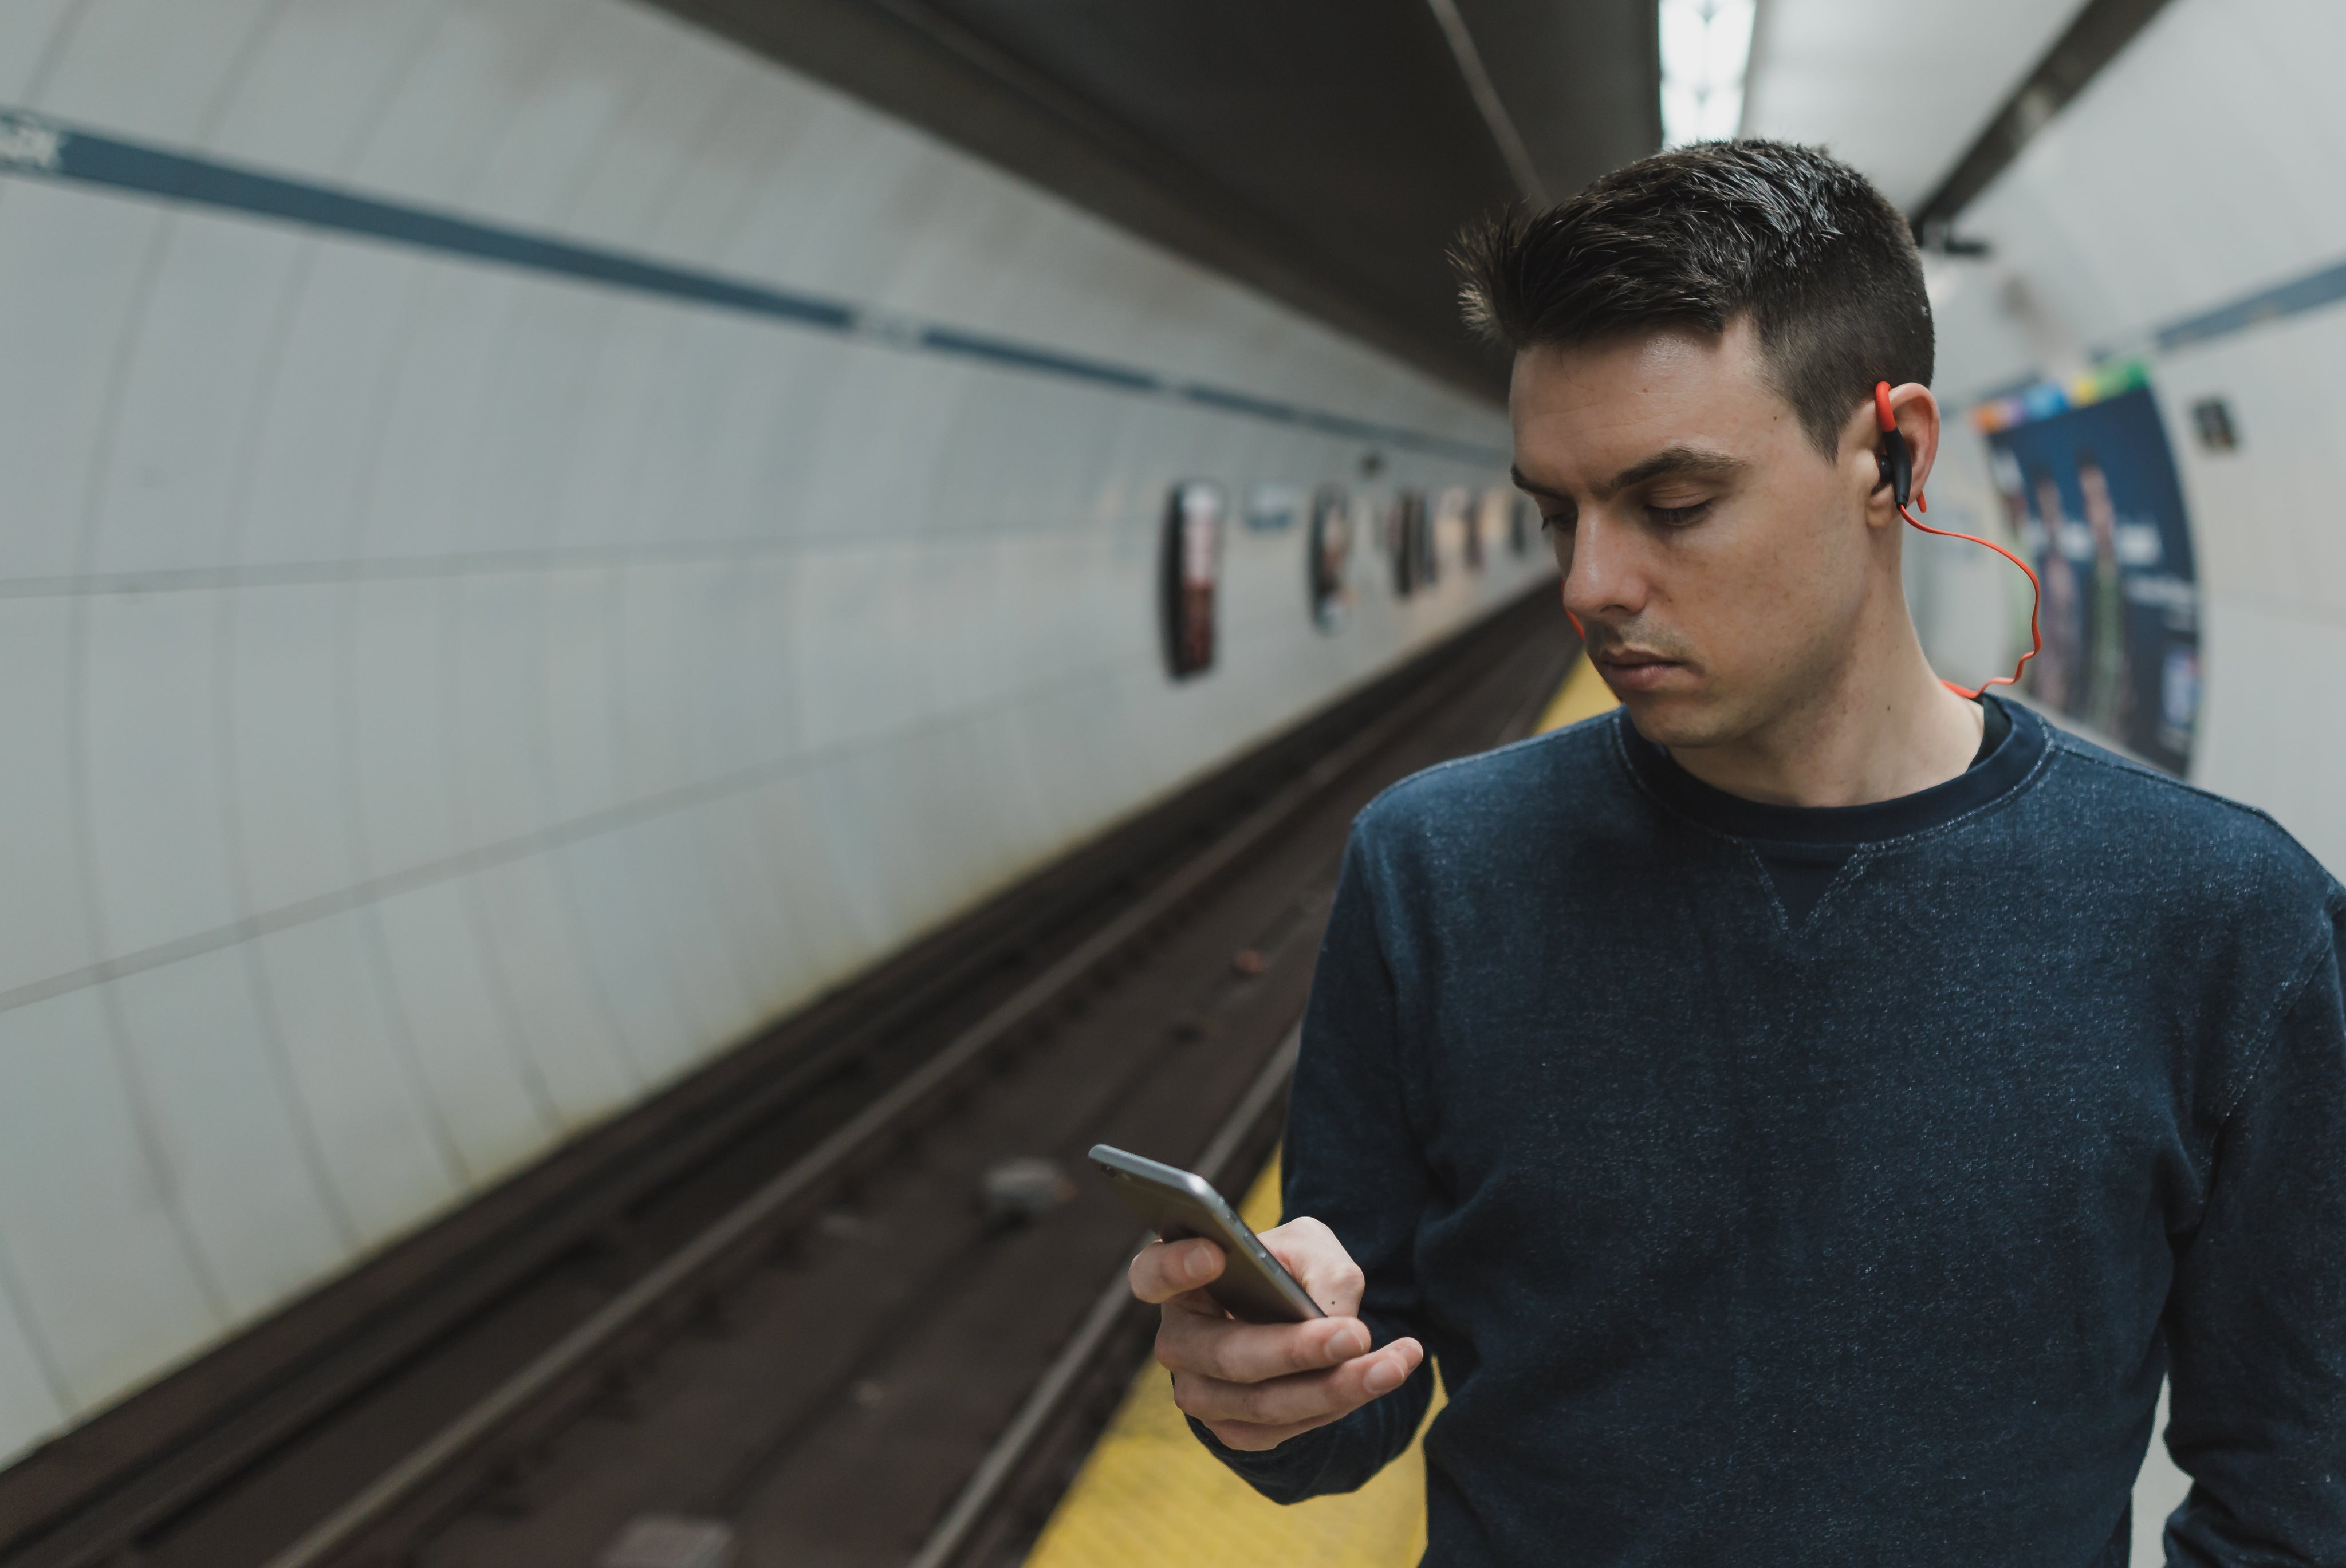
[1627, 669]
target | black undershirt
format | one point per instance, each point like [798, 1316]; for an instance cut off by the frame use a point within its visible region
[1804, 848]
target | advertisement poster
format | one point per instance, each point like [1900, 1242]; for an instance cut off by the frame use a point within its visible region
[1410, 542]
[1454, 530]
[2089, 484]
[1191, 562]
[1329, 563]
[1493, 523]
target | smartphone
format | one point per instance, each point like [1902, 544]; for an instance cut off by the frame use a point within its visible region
[1177, 1204]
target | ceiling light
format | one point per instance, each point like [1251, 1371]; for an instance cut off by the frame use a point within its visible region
[1705, 46]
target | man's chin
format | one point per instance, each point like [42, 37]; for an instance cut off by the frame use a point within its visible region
[1677, 718]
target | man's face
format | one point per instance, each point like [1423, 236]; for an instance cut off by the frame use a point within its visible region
[1716, 560]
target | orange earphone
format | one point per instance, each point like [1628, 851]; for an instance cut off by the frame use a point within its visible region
[1898, 473]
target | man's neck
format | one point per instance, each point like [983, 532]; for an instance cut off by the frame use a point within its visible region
[1885, 728]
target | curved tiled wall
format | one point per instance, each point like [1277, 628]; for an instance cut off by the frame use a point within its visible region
[451, 690]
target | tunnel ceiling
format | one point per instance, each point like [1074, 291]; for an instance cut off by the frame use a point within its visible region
[1326, 153]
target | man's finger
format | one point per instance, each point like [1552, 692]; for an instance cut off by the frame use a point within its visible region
[1164, 1270]
[1248, 1438]
[1312, 1399]
[1309, 1250]
[1252, 1352]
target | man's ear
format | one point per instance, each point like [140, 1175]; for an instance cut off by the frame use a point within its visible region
[1860, 460]
[1917, 413]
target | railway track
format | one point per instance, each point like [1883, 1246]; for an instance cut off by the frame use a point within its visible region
[773, 1303]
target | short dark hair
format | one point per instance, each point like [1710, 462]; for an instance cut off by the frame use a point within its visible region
[1694, 238]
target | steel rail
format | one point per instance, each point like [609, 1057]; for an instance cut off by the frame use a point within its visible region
[1000, 1466]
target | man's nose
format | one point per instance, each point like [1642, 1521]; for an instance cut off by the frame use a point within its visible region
[1604, 578]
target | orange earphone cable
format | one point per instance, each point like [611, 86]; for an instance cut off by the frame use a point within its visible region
[1895, 469]
[2036, 602]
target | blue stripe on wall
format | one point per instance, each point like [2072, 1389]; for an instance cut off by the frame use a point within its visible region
[977, 346]
[2310, 292]
[30, 145]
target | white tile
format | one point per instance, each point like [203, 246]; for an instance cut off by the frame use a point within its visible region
[876, 847]
[662, 132]
[389, 1159]
[757, 652]
[597, 494]
[550, 987]
[150, 69]
[637, 952]
[421, 487]
[826, 939]
[317, 79]
[731, 443]
[561, 115]
[184, 420]
[535, 385]
[454, 95]
[158, 819]
[245, 1174]
[497, 652]
[29, 1407]
[107, 1280]
[44, 918]
[863, 667]
[319, 444]
[655, 753]
[716, 602]
[399, 633]
[735, 437]
[286, 742]
[71, 267]
[727, 831]
[31, 34]
[487, 1092]
[579, 705]
[674, 875]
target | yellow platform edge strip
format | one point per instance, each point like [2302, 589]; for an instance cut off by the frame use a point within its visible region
[1150, 1497]
[1583, 695]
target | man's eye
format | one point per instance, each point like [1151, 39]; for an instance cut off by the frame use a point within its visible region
[1552, 521]
[1677, 517]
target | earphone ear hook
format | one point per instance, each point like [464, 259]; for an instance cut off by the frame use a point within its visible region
[1897, 461]
[1898, 473]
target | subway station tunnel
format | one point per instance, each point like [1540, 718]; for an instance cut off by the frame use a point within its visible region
[656, 655]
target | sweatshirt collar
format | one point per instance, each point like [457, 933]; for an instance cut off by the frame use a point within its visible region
[1987, 779]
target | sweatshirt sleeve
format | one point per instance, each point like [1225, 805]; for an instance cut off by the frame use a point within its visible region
[1352, 1159]
[2257, 1320]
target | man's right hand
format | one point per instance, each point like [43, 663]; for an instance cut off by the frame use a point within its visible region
[1255, 1385]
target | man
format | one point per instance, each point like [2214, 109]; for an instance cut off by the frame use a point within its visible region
[1804, 1112]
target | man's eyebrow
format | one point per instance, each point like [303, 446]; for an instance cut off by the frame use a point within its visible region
[1528, 488]
[1670, 463]
[1675, 463]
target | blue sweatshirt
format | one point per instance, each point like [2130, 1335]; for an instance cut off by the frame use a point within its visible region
[1862, 1236]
